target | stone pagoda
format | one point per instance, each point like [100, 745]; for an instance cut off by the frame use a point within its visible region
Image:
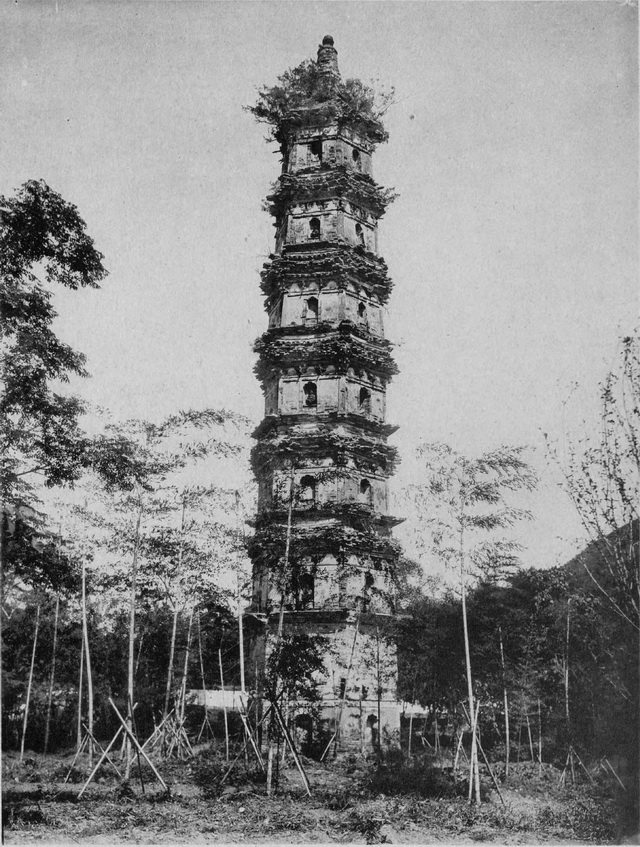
[324, 562]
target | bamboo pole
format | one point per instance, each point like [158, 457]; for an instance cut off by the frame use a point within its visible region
[33, 661]
[506, 708]
[205, 722]
[80, 683]
[240, 625]
[105, 755]
[85, 638]
[533, 758]
[132, 635]
[174, 627]
[539, 740]
[344, 693]
[294, 752]
[224, 708]
[283, 588]
[185, 670]
[474, 776]
[566, 671]
[172, 649]
[252, 735]
[379, 693]
[53, 671]
[134, 741]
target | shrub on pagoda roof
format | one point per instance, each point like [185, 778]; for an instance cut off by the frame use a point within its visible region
[303, 96]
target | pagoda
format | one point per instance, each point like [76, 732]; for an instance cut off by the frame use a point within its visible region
[324, 562]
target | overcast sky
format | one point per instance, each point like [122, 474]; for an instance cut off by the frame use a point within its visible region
[513, 244]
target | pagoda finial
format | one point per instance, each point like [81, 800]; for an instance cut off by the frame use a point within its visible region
[328, 58]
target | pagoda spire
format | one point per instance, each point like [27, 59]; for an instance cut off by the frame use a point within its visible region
[328, 58]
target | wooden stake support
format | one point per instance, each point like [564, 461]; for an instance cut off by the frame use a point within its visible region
[134, 741]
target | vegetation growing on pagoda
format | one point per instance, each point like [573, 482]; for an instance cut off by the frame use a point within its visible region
[340, 264]
[343, 349]
[326, 442]
[335, 182]
[267, 546]
[303, 96]
[360, 516]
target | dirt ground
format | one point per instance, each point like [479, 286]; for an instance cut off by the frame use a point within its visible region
[352, 801]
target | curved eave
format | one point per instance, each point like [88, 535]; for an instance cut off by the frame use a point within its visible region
[369, 425]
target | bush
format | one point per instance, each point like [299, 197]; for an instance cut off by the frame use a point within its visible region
[413, 778]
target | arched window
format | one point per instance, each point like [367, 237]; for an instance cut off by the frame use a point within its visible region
[307, 489]
[314, 229]
[366, 492]
[311, 316]
[365, 400]
[310, 394]
[362, 313]
[359, 235]
[316, 149]
[357, 161]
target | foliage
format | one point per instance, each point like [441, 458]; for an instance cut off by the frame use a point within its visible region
[305, 97]
[335, 264]
[314, 186]
[602, 477]
[295, 667]
[40, 233]
[346, 347]
[465, 497]
[280, 447]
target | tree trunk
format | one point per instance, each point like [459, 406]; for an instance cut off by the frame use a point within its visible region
[185, 670]
[80, 684]
[240, 626]
[52, 676]
[274, 731]
[85, 638]
[539, 740]
[566, 674]
[474, 777]
[174, 628]
[132, 636]
[379, 691]
[506, 708]
[29, 684]
[172, 650]
[205, 722]
[533, 758]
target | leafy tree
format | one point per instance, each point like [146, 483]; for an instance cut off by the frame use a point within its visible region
[305, 96]
[138, 515]
[42, 242]
[463, 503]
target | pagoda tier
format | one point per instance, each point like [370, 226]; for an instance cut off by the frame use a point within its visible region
[325, 265]
[361, 196]
[346, 442]
[325, 348]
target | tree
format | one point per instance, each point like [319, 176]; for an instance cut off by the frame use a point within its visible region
[42, 242]
[602, 477]
[463, 502]
[138, 511]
